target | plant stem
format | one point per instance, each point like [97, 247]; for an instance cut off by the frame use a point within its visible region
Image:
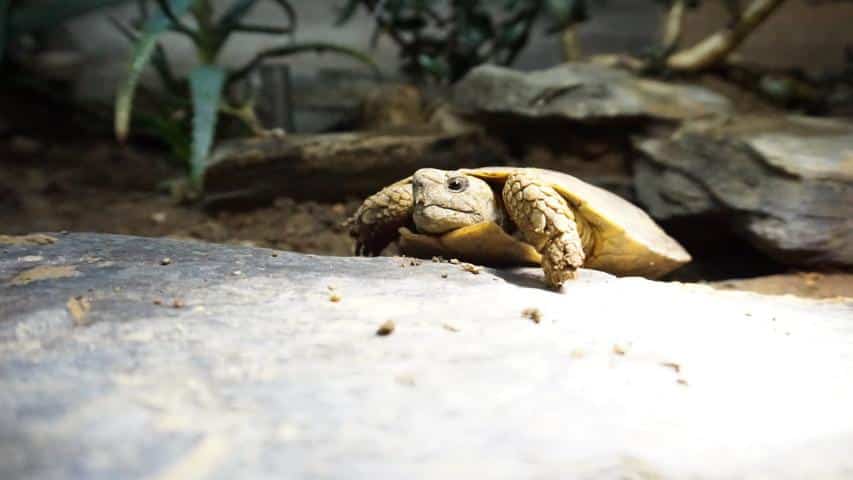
[672, 26]
[718, 46]
[570, 43]
[177, 24]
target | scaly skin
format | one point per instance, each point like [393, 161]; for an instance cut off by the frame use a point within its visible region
[547, 222]
[377, 220]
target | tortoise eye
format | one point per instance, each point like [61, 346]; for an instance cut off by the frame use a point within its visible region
[457, 184]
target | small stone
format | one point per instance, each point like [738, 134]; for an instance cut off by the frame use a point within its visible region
[443, 275]
[178, 303]
[470, 268]
[334, 298]
[619, 349]
[166, 261]
[386, 328]
[450, 327]
[158, 217]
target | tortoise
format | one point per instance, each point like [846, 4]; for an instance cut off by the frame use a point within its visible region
[505, 216]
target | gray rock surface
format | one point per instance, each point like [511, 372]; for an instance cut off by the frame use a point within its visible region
[581, 92]
[784, 183]
[258, 374]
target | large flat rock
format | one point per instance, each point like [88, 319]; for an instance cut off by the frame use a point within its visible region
[785, 184]
[232, 362]
[581, 92]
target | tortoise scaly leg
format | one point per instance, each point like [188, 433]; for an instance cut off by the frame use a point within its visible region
[547, 222]
[374, 225]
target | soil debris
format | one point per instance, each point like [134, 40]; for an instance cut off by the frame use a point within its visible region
[450, 327]
[31, 239]
[819, 285]
[334, 297]
[532, 314]
[386, 328]
[620, 349]
[676, 367]
[43, 272]
[79, 307]
[409, 262]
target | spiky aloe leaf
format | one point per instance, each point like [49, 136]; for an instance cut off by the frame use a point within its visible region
[141, 55]
[235, 14]
[206, 83]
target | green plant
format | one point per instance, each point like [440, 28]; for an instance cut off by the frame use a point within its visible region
[205, 92]
[444, 39]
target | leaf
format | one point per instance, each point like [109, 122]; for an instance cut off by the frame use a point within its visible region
[4, 10]
[408, 22]
[232, 21]
[141, 55]
[238, 10]
[512, 34]
[206, 84]
[289, 11]
[50, 13]
[347, 12]
[435, 66]
[566, 12]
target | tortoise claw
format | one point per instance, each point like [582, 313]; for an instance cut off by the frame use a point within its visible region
[377, 220]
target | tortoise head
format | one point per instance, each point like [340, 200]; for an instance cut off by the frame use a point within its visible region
[447, 200]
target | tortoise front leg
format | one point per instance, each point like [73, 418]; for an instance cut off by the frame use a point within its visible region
[547, 222]
[377, 220]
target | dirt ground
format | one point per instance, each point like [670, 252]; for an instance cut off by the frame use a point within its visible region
[116, 190]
